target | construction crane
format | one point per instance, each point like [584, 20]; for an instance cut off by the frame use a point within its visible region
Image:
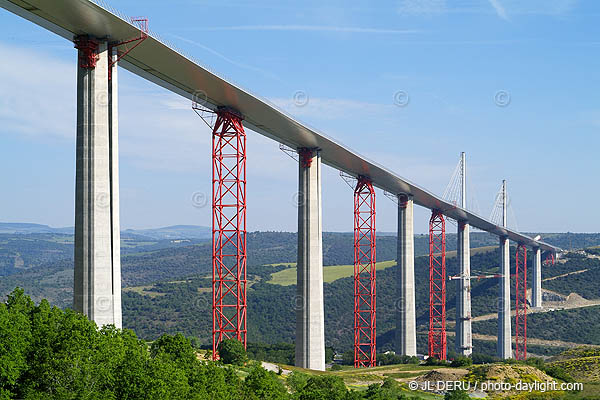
[478, 277]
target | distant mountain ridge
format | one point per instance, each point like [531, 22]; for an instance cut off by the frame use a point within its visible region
[174, 232]
[167, 232]
[26, 228]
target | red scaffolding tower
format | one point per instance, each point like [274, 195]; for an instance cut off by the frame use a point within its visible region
[549, 260]
[229, 228]
[364, 274]
[521, 303]
[437, 285]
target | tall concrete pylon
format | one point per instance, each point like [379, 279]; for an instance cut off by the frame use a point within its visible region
[504, 323]
[464, 344]
[310, 316]
[536, 287]
[406, 334]
[97, 275]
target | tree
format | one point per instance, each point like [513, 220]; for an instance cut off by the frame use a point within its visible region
[461, 361]
[389, 389]
[433, 361]
[177, 348]
[231, 351]
[263, 384]
[297, 380]
[324, 387]
[15, 344]
[348, 357]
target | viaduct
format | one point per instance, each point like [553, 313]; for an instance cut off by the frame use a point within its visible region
[105, 39]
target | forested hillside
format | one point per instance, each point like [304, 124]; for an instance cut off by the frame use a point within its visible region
[167, 286]
[176, 306]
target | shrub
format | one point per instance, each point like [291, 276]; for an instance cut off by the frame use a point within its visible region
[479, 358]
[461, 361]
[432, 361]
[457, 395]
[231, 351]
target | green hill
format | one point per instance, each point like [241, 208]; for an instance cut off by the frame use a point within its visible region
[168, 289]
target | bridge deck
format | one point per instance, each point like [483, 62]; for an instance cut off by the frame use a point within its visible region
[162, 64]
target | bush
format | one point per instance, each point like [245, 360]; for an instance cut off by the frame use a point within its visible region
[432, 361]
[297, 380]
[388, 359]
[263, 384]
[457, 394]
[336, 367]
[231, 351]
[320, 387]
[558, 373]
[177, 348]
[389, 389]
[461, 361]
[348, 358]
[480, 358]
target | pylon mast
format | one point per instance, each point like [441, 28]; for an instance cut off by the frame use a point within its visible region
[463, 175]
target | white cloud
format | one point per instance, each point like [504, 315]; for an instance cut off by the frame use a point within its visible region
[307, 28]
[499, 9]
[328, 108]
[416, 7]
[158, 131]
[543, 7]
[34, 95]
[227, 59]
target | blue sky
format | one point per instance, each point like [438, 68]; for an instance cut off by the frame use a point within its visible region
[450, 58]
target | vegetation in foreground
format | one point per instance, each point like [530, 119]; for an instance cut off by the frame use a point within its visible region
[48, 353]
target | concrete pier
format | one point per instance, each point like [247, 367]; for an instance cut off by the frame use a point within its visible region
[406, 334]
[464, 344]
[536, 285]
[310, 322]
[504, 323]
[97, 283]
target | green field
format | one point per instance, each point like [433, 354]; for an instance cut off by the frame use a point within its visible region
[331, 273]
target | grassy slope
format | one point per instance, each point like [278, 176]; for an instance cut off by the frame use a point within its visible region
[582, 363]
[332, 273]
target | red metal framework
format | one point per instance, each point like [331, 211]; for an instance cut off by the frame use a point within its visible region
[364, 274]
[88, 55]
[142, 23]
[229, 228]
[549, 260]
[306, 156]
[521, 302]
[437, 285]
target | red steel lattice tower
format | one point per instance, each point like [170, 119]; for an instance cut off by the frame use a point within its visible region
[364, 274]
[437, 285]
[229, 228]
[521, 301]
